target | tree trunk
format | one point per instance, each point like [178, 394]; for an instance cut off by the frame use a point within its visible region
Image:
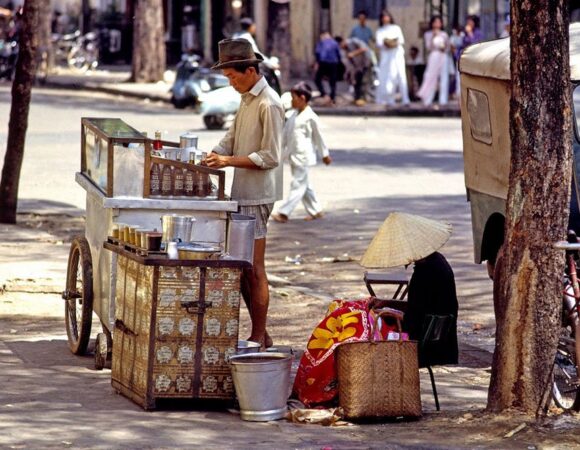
[148, 43]
[279, 38]
[18, 123]
[528, 293]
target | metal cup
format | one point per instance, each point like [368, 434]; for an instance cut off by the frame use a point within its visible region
[188, 140]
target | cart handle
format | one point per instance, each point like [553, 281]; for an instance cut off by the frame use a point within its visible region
[197, 304]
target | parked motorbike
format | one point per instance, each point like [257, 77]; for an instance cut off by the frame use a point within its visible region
[80, 52]
[219, 106]
[84, 54]
[191, 81]
[8, 56]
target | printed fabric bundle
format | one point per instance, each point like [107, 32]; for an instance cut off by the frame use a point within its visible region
[345, 321]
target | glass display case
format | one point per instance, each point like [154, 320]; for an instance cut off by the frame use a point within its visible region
[118, 160]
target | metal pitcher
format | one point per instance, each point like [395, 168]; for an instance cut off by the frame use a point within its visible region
[176, 228]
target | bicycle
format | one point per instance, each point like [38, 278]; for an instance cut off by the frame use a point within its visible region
[565, 389]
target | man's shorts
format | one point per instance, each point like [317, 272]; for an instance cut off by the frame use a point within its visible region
[262, 214]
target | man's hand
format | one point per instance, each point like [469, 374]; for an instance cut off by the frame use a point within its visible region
[327, 160]
[216, 161]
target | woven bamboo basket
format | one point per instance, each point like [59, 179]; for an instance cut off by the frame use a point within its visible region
[379, 379]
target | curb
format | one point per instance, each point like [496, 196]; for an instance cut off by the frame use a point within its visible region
[320, 110]
[107, 90]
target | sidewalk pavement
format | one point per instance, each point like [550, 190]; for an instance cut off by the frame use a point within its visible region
[56, 400]
[114, 80]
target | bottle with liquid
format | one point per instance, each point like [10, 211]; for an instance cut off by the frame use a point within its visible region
[155, 172]
[189, 178]
[178, 178]
[157, 144]
[204, 187]
[167, 177]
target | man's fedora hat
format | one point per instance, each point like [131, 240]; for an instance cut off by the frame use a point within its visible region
[233, 52]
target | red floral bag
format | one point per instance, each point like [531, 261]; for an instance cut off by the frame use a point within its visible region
[345, 321]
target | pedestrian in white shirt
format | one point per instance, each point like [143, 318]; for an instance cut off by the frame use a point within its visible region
[303, 144]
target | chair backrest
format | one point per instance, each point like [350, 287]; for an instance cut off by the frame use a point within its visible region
[436, 328]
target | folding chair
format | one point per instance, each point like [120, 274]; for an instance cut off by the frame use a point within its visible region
[436, 328]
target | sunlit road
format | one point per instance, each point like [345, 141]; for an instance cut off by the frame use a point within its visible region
[380, 165]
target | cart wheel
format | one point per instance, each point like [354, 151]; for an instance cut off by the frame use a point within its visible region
[102, 351]
[78, 310]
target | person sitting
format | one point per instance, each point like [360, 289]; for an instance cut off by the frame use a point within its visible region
[432, 291]
[404, 239]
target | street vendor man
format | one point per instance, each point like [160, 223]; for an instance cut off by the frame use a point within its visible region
[252, 146]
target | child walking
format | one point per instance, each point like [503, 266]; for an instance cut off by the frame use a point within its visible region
[303, 144]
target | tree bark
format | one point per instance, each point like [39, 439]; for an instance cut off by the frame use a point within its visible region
[279, 38]
[18, 122]
[528, 291]
[148, 42]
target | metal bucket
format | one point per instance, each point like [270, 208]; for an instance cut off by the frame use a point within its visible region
[261, 381]
[176, 228]
[240, 238]
[244, 347]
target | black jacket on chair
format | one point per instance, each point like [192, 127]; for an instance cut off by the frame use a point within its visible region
[432, 291]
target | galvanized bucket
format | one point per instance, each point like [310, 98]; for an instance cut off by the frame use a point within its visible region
[261, 381]
[244, 347]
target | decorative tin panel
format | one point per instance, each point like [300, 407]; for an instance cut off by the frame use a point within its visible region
[132, 323]
[185, 311]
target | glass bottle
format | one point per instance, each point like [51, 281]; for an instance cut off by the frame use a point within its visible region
[167, 178]
[189, 183]
[205, 185]
[157, 144]
[178, 178]
[155, 173]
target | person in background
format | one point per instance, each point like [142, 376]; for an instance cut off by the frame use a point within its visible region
[302, 142]
[472, 33]
[456, 44]
[415, 71]
[248, 31]
[437, 70]
[327, 65]
[506, 28]
[392, 71]
[252, 146]
[362, 31]
[357, 62]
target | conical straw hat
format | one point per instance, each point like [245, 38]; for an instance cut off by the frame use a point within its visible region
[404, 238]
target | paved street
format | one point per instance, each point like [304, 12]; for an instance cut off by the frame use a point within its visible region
[380, 165]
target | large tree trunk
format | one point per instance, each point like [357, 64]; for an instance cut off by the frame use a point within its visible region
[528, 292]
[279, 38]
[18, 123]
[148, 43]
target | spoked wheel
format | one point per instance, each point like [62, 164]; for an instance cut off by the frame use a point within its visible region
[565, 389]
[78, 296]
[78, 59]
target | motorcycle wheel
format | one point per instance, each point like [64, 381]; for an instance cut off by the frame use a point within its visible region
[78, 59]
[214, 122]
[179, 103]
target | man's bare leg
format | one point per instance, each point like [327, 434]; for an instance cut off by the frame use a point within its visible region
[259, 296]
[245, 289]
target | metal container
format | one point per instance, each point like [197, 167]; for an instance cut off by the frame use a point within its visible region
[196, 251]
[176, 228]
[188, 140]
[261, 381]
[240, 237]
[244, 347]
